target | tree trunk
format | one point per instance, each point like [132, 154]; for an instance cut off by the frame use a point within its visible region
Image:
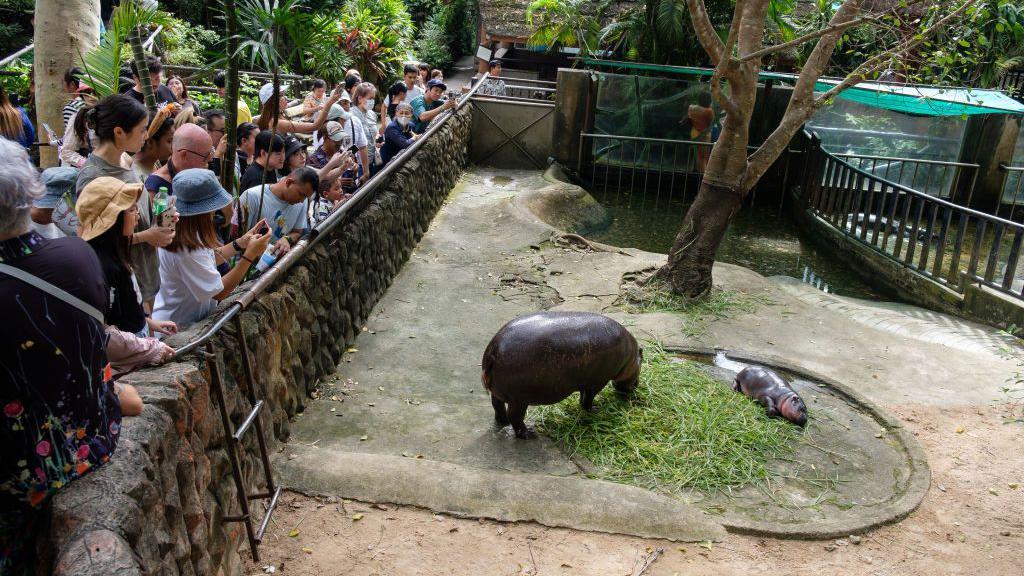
[688, 272]
[64, 29]
[227, 169]
[135, 40]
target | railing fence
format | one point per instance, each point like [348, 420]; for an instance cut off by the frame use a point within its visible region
[937, 239]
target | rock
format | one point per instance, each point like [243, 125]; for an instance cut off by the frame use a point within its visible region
[855, 540]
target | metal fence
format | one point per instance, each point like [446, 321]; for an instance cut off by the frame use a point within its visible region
[673, 168]
[937, 239]
[953, 181]
[1012, 190]
[1013, 82]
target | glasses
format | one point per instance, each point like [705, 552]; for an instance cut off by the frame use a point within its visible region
[133, 211]
[205, 157]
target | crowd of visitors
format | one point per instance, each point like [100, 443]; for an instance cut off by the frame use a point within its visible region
[133, 238]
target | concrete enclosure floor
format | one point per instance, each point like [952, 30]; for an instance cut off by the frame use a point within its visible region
[407, 402]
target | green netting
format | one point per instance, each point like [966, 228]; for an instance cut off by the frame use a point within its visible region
[921, 100]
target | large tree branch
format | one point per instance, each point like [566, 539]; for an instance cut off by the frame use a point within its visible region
[803, 105]
[706, 34]
[751, 34]
[874, 64]
[837, 27]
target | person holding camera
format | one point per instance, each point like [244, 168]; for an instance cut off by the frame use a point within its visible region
[430, 105]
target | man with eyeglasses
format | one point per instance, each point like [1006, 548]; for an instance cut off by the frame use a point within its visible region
[191, 147]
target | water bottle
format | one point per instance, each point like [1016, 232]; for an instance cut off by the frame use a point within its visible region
[269, 257]
[160, 203]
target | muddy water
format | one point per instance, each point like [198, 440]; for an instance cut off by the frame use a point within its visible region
[759, 238]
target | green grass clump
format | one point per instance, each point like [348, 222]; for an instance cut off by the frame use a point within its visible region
[642, 297]
[681, 429]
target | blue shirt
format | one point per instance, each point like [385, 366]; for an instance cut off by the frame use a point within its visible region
[419, 106]
[28, 132]
[395, 140]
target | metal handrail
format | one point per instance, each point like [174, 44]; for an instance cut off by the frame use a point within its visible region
[642, 139]
[333, 220]
[8, 59]
[916, 193]
[898, 159]
[926, 234]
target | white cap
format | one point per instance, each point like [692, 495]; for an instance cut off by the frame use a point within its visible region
[267, 90]
[337, 112]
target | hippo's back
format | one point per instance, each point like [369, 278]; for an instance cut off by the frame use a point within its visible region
[558, 348]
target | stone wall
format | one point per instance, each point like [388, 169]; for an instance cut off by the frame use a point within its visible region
[156, 508]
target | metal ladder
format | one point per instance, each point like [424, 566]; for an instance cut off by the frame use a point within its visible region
[234, 440]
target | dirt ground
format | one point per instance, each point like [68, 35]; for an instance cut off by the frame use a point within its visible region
[970, 523]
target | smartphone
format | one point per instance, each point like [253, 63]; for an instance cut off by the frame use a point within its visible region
[263, 227]
[167, 216]
[353, 148]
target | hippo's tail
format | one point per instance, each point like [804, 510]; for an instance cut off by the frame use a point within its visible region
[486, 366]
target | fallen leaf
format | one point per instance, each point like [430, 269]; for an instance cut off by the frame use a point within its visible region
[1013, 485]
[351, 350]
[993, 492]
[381, 388]
[707, 544]
[307, 550]
[960, 430]
[357, 517]
[293, 533]
[363, 438]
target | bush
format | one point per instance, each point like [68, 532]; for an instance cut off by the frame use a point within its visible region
[432, 45]
[187, 44]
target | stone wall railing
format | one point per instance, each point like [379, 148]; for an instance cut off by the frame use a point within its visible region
[157, 507]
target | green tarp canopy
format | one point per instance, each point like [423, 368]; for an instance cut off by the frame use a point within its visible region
[910, 99]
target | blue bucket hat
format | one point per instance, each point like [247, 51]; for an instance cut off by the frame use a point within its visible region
[198, 192]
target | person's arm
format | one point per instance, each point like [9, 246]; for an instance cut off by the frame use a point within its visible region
[30, 130]
[428, 115]
[364, 158]
[383, 117]
[254, 246]
[72, 142]
[129, 399]
[396, 138]
[310, 127]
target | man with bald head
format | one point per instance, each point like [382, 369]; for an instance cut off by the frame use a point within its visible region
[191, 147]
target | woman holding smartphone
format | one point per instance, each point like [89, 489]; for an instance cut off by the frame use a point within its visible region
[190, 285]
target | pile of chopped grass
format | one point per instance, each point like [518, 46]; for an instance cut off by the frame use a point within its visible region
[652, 295]
[680, 429]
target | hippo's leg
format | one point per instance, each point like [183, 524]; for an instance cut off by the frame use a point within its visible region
[517, 416]
[769, 404]
[736, 385]
[587, 399]
[500, 416]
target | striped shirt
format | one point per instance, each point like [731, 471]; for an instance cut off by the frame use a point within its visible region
[70, 108]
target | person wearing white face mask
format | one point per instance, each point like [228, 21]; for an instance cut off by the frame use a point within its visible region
[362, 110]
[398, 135]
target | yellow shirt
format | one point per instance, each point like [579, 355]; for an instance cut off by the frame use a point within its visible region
[244, 115]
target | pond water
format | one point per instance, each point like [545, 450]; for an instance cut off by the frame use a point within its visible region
[759, 237]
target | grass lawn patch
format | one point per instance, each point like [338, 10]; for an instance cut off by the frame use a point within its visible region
[681, 429]
[641, 296]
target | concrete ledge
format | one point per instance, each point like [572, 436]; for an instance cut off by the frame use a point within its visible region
[567, 502]
[911, 493]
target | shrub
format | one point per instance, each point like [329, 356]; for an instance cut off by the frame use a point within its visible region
[432, 45]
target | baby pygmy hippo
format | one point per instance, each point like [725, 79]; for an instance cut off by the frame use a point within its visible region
[773, 392]
[544, 357]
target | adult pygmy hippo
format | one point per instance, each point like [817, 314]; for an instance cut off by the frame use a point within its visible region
[544, 357]
[772, 392]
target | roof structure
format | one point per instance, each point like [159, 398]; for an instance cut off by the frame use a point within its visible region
[908, 98]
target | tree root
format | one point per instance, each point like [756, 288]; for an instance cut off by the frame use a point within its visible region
[577, 241]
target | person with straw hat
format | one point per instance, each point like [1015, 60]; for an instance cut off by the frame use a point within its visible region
[108, 213]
